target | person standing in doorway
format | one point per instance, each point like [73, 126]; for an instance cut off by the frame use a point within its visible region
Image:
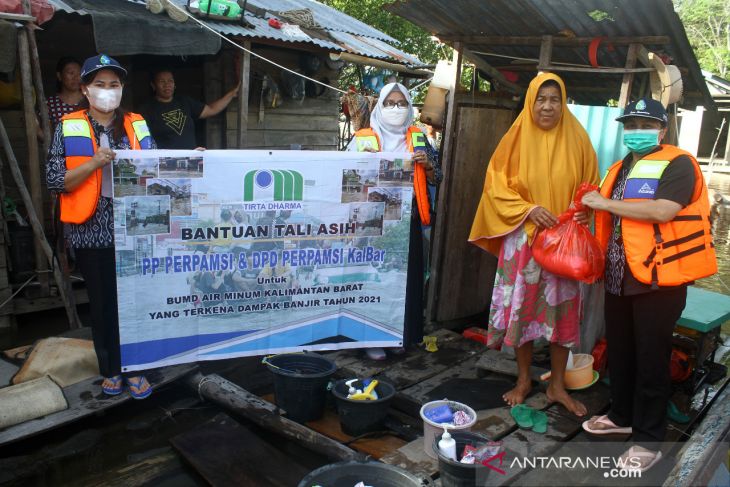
[68, 90]
[171, 117]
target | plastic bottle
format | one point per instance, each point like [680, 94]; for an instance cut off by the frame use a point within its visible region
[447, 445]
[220, 8]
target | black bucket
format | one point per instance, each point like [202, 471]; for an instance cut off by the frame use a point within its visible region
[457, 474]
[300, 383]
[351, 472]
[360, 417]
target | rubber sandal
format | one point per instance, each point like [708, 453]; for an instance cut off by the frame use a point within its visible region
[611, 430]
[522, 415]
[539, 421]
[116, 387]
[640, 454]
[138, 383]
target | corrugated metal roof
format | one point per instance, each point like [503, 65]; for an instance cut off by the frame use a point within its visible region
[340, 32]
[579, 18]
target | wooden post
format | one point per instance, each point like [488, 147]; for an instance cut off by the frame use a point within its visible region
[64, 286]
[546, 53]
[628, 81]
[34, 163]
[447, 163]
[243, 96]
[234, 398]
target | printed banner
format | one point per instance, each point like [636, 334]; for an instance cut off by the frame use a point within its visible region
[223, 254]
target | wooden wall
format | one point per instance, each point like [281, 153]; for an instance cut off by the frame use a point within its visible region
[465, 272]
[311, 123]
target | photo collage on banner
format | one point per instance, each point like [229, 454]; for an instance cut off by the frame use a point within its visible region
[232, 253]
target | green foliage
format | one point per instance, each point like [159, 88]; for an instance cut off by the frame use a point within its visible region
[707, 23]
[413, 39]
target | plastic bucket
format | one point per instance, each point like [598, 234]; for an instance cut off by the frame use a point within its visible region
[349, 473]
[457, 474]
[431, 429]
[360, 417]
[300, 383]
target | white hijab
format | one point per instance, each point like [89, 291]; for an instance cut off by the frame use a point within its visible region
[393, 139]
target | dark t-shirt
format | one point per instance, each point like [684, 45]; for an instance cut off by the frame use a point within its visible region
[676, 184]
[172, 124]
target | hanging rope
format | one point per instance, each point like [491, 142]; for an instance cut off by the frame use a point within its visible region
[206, 26]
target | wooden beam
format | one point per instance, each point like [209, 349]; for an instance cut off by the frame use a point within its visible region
[17, 17]
[480, 63]
[35, 223]
[440, 228]
[244, 79]
[546, 53]
[34, 160]
[239, 400]
[357, 59]
[628, 80]
[557, 41]
[574, 69]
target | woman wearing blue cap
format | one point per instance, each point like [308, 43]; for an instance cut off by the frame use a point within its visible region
[652, 218]
[79, 170]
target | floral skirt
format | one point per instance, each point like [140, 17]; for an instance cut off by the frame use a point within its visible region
[529, 302]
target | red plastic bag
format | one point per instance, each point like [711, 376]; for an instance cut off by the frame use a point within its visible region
[40, 9]
[569, 249]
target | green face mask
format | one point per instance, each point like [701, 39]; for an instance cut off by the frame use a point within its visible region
[641, 141]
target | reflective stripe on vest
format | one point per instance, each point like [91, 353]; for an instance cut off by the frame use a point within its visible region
[415, 140]
[662, 254]
[79, 205]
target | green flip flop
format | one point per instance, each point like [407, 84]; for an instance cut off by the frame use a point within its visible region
[522, 415]
[539, 421]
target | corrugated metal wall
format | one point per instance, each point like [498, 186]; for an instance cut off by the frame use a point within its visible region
[605, 132]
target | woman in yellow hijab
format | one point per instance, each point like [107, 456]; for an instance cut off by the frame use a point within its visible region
[532, 177]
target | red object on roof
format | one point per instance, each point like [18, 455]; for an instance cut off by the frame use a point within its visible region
[510, 76]
[40, 9]
[275, 23]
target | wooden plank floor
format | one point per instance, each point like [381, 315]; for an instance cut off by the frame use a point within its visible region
[85, 398]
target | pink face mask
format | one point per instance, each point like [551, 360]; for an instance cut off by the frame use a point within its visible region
[103, 99]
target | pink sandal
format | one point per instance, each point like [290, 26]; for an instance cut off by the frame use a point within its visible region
[612, 428]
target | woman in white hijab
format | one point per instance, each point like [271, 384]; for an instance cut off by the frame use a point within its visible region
[391, 130]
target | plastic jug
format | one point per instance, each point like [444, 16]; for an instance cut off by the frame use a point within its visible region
[219, 8]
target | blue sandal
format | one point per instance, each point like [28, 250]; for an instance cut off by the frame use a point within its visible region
[116, 385]
[136, 386]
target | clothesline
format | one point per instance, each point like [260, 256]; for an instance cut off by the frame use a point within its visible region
[238, 46]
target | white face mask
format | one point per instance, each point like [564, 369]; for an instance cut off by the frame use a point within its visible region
[395, 117]
[104, 100]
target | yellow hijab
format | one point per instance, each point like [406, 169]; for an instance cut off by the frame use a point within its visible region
[532, 167]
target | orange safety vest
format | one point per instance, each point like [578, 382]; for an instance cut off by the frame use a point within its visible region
[78, 205]
[662, 254]
[415, 140]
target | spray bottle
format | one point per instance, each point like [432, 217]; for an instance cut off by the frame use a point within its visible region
[447, 445]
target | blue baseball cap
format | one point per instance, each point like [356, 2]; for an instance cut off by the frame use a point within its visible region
[101, 61]
[645, 108]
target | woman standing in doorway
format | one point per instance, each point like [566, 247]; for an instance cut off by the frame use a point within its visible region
[68, 95]
[532, 177]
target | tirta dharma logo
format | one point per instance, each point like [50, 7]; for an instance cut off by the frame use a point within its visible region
[275, 184]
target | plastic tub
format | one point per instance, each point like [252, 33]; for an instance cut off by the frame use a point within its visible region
[350, 473]
[431, 429]
[457, 474]
[360, 417]
[300, 383]
[582, 372]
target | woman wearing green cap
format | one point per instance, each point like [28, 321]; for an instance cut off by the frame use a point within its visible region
[652, 219]
[79, 170]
